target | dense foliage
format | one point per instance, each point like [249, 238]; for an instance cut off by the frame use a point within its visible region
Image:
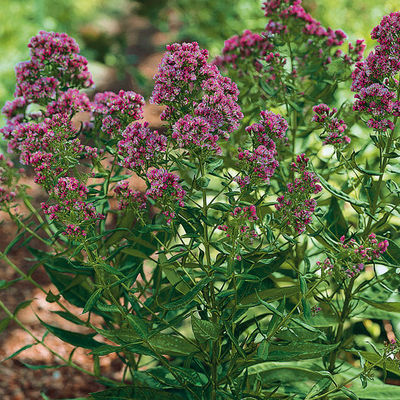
[268, 229]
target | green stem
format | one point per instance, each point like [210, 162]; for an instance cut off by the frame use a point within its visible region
[343, 317]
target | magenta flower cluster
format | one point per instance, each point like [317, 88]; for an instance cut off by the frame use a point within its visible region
[70, 207]
[296, 206]
[116, 111]
[259, 164]
[374, 78]
[352, 256]
[129, 198]
[271, 126]
[185, 81]
[288, 11]
[333, 127]
[69, 103]
[195, 134]
[287, 19]
[47, 147]
[240, 225]
[141, 147]
[49, 78]
[55, 64]
[248, 45]
[14, 108]
[165, 188]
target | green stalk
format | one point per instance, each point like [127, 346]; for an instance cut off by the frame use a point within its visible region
[343, 317]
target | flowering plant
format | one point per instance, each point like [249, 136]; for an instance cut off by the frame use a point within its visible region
[255, 242]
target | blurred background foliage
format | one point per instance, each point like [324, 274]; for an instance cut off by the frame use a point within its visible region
[94, 23]
[22, 19]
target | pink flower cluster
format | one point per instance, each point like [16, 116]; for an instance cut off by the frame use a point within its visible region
[290, 10]
[380, 103]
[116, 111]
[333, 127]
[6, 197]
[180, 69]
[164, 188]
[185, 81]
[239, 226]
[248, 45]
[14, 107]
[128, 197]
[55, 64]
[70, 207]
[259, 165]
[45, 139]
[296, 206]
[374, 78]
[271, 126]
[47, 147]
[355, 51]
[141, 147]
[352, 256]
[275, 67]
[195, 134]
[69, 103]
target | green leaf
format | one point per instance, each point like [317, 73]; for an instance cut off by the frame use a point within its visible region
[349, 393]
[299, 351]
[106, 349]
[336, 223]
[204, 330]
[303, 284]
[138, 325]
[376, 390]
[176, 257]
[5, 284]
[286, 371]
[171, 345]
[319, 387]
[92, 300]
[263, 350]
[21, 306]
[69, 317]
[121, 336]
[220, 206]
[135, 253]
[74, 338]
[173, 277]
[388, 365]
[386, 306]
[339, 194]
[37, 367]
[269, 295]
[361, 169]
[213, 165]
[26, 347]
[165, 377]
[392, 254]
[51, 297]
[189, 296]
[61, 264]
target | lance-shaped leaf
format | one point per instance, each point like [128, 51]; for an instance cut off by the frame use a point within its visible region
[189, 296]
[74, 338]
[204, 330]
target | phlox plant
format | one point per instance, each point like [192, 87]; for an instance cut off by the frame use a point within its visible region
[266, 230]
